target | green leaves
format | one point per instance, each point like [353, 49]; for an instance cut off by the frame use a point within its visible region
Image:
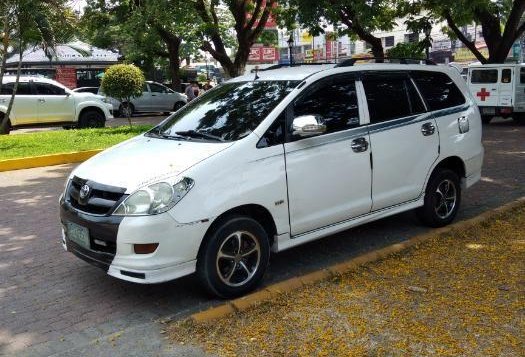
[123, 82]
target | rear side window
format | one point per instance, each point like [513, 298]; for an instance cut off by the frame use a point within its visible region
[438, 90]
[390, 97]
[484, 76]
[24, 88]
[48, 89]
[522, 75]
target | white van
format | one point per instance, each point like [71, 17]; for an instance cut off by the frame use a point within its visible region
[499, 90]
[269, 161]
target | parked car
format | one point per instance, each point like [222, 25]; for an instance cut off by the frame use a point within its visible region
[155, 98]
[271, 162]
[499, 90]
[93, 90]
[44, 102]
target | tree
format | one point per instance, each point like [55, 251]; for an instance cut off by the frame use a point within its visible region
[123, 82]
[25, 22]
[359, 18]
[250, 18]
[501, 23]
[406, 50]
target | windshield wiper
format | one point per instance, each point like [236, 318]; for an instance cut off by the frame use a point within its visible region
[160, 134]
[198, 134]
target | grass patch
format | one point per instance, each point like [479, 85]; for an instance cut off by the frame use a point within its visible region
[64, 141]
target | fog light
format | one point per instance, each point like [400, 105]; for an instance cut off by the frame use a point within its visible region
[145, 248]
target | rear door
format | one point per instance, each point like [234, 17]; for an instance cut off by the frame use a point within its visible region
[505, 86]
[484, 85]
[24, 109]
[403, 138]
[143, 103]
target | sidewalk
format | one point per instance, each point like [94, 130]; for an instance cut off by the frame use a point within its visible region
[461, 294]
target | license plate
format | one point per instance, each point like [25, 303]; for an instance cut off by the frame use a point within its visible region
[78, 234]
[488, 110]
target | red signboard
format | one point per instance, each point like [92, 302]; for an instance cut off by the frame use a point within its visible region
[67, 76]
[263, 54]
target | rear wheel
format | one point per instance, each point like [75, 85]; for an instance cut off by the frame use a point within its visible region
[91, 118]
[234, 257]
[485, 119]
[178, 105]
[442, 199]
[126, 110]
[5, 126]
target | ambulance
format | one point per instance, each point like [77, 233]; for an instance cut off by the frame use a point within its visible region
[498, 89]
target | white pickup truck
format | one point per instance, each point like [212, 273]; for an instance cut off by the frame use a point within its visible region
[498, 89]
[44, 102]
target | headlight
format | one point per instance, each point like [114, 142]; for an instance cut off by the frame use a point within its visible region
[154, 199]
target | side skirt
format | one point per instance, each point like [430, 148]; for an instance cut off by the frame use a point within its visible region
[284, 241]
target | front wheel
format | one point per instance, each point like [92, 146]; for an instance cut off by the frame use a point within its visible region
[442, 199]
[126, 110]
[91, 118]
[234, 257]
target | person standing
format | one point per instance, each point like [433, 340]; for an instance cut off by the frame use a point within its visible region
[192, 90]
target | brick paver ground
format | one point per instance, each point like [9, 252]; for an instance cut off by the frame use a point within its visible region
[50, 301]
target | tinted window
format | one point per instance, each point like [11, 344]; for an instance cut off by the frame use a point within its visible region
[334, 100]
[391, 96]
[522, 75]
[506, 76]
[438, 90]
[275, 133]
[156, 88]
[229, 111]
[24, 88]
[48, 89]
[484, 76]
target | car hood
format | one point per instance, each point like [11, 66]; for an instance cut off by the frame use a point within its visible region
[144, 160]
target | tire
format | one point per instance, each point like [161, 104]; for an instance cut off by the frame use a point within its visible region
[124, 108]
[519, 118]
[178, 105]
[240, 267]
[91, 118]
[485, 119]
[5, 129]
[442, 199]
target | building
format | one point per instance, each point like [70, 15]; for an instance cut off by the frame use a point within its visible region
[76, 64]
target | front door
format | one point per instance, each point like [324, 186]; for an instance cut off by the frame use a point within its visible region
[329, 181]
[403, 137]
[160, 98]
[53, 104]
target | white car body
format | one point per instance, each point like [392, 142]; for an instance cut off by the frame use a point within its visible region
[498, 89]
[309, 188]
[155, 98]
[33, 107]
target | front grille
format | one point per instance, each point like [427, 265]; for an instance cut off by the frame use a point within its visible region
[101, 199]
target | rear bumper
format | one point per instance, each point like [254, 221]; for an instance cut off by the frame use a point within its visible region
[495, 111]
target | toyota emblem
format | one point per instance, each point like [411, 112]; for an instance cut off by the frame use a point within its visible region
[84, 191]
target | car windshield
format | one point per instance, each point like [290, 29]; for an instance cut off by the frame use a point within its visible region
[229, 112]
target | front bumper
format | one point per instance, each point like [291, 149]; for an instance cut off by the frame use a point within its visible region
[111, 241]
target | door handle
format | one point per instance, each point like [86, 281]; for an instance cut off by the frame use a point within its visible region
[359, 145]
[41, 100]
[428, 129]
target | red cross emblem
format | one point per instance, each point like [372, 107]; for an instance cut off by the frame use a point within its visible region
[483, 94]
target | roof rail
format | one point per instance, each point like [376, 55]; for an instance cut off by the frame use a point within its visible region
[351, 61]
[283, 65]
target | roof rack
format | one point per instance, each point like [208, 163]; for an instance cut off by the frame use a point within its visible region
[283, 65]
[351, 61]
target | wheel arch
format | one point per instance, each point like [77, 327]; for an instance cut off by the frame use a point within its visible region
[255, 211]
[454, 163]
[91, 107]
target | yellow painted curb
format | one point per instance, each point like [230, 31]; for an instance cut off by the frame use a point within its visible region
[249, 301]
[46, 160]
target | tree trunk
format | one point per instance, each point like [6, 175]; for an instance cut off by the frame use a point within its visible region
[5, 48]
[15, 86]
[173, 50]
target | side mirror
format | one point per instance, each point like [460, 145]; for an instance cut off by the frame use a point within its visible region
[307, 125]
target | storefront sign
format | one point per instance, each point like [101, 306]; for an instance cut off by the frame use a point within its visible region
[67, 76]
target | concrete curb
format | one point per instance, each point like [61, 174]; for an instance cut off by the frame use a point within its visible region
[252, 300]
[46, 160]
